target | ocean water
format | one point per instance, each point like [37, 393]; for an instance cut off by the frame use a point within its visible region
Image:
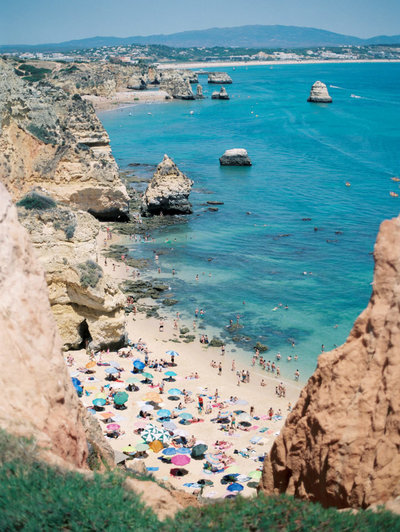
[303, 154]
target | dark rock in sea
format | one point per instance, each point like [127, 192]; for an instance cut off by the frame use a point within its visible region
[235, 157]
[221, 95]
[215, 202]
[306, 219]
[212, 209]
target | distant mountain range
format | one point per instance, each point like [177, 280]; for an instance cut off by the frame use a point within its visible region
[242, 36]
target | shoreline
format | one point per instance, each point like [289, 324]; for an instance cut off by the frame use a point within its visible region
[212, 64]
[124, 99]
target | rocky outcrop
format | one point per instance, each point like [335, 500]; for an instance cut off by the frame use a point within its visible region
[219, 78]
[137, 82]
[199, 92]
[168, 191]
[319, 93]
[176, 84]
[221, 95]
[52, 140]
[340, 445]
[86, 303]
[235, 157]
[37, 396]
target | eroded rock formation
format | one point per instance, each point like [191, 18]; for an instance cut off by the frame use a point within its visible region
[341, 444]
[235, 157]
[55, 141]
[168, 191]
[219, 78]
[319, 93]
[176, 83]
[86, 303]
[221, 95]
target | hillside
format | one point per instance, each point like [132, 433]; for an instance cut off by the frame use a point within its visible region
[242, 36]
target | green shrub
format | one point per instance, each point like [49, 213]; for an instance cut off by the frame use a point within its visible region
[37, 201]
[91, 273]
[70, 230]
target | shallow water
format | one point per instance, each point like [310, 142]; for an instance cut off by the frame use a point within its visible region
[302, 156]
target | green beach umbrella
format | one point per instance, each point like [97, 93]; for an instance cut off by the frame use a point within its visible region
[129, 449]
[141, 447]
[133, 380]
[255, 475]
[147, 375]
[120, 398]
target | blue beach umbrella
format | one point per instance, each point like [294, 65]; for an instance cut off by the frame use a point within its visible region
[174, 391]
[185, 415]
[172, 353]
[184, 450]
[169, 451]
[111, 370]
[169, 425]
[138, 364]
[99, 402]
[170, 373]
[164, 413]
[235, 487]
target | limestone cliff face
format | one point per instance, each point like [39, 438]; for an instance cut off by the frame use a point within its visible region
[86, 303]
[168, 191]
[177, 84]
[37, 397]
[51, 140]
[341, 444]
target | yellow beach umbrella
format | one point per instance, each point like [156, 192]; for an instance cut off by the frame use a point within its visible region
[90, 364]
[91, 388]
[156, 446]
[101, 395]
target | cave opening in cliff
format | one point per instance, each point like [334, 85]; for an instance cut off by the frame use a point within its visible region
[84, 333]
[111, 215]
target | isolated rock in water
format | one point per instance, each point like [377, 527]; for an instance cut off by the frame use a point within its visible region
[220, 78]
[176, 84]
[319, 93]
[168, 191]
[36, 393]
[221, 95]
[235, 157]
[137, 82]
[340, 445]
[199, 92]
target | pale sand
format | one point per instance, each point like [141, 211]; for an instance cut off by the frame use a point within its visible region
[122, 99]
[220, 64]
[193, 357]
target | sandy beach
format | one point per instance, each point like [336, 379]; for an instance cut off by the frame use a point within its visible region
[243, 448]
[125, 98]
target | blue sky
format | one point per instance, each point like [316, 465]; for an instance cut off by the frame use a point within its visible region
[43, 21]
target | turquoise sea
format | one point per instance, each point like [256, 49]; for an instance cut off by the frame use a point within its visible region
[302, 156]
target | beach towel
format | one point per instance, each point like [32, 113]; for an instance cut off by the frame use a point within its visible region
[254, 427]
[263, 429]
[152, 468]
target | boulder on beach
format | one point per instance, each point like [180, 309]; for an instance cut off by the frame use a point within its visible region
[235, 157]
[168, 191]
[221, 95]
[219, 78]
[319, 93]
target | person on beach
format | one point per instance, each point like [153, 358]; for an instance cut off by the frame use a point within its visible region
[196, 313]
[222, 349]
[201, 313]
[296, 375]
[220, 369]
[233, 365]
[161, 326]
[278, 371]
[194, 325]
[175, 324]
[173, 271]
[252, 411]
[262, 383]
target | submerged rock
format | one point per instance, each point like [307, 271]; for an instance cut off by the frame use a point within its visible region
[168, 191]
[235, 157]
[221, 95]
[319, 93]
[340, 445]
[219, 78]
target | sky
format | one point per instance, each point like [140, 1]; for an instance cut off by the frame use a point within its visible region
[46, 21]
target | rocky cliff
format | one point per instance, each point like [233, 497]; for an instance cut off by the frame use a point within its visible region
[53, 140]
[168, 191]
[37, 397]
[86, 303]
[177, 84]
[341, 444]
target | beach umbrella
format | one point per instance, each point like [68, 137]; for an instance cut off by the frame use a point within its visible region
[205, 482]
[170, 373]
[253, 484]
[223, 420]
[174, 391]
[172, 353]
[91, 387]
[232, 470]
[129, 450]
[138, 364]
[180, 459]
[107, 415]
[90, 364]
[111, 370]
[255, 475]
[147, 375]
[184, 450]
[173, 398]
[151, 433]
[169, 451]
[238, 412]
[164, 413]
[244, 417]
[227, 479]
[181, 433]
[235, 487]
[132, 380]
[115, 364]
[169, 425]
[75, 381]
[156, 446]
[120, 398]
[140, 447]
[185, 415]
[99, 402]
[178, 472]
[147, 408]
[244, 423]
[100, 395]
[154, 404]
[113, 426]
[199, 450]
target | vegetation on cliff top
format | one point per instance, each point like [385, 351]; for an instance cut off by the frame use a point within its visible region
[90, 273]
[34, 200]
[35, 496]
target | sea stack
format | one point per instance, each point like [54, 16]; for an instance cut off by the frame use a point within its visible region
[199, 92]
[235, 157]
[319, 93]
[340, 445]
[219, 78]
[168, 191]
[221, 95]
